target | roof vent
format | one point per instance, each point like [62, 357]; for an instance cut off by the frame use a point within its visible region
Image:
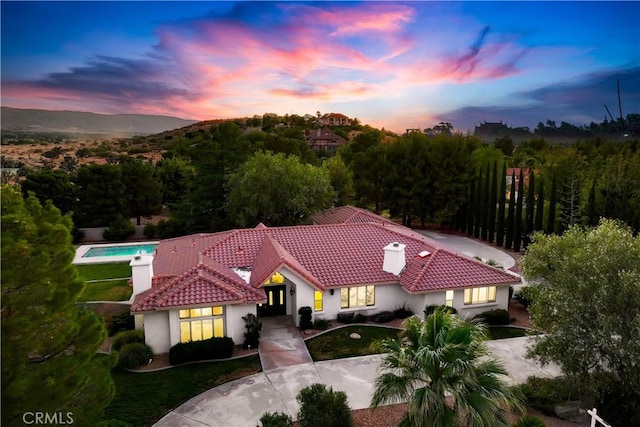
[424, 254]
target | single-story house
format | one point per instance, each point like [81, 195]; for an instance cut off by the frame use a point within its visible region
[200, 286]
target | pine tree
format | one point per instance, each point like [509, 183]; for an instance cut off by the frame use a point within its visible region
[493, 201]
[511, 213]
[49, 344]
[501, 205]
[530, 209]
[540, 207]
[551, 218]
[517, 226]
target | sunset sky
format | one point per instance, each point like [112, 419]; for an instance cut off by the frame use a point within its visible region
[395, 65]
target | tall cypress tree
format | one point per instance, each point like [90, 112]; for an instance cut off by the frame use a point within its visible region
[493, 201]
[591, 207]
[511, 213]
[530, 209]
[49, 343]
[517, 225]
[472, 203]
[551, 218]
[501, 206]
[540, 207]
[477, 215]
[486, 204]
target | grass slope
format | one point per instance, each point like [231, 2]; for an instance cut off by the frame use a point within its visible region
[336, 344]
[143, 398]
[116, 270]
[110, 290]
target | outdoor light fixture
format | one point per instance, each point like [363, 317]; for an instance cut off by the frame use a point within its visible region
[291, 291]
[332, 291]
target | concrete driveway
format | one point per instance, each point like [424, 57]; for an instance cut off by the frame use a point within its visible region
[242, 402]
[470, 247]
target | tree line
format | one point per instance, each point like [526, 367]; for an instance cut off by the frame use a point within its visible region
[234, 174]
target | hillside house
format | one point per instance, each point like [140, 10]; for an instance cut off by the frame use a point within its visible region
[334, 119]
[324, 140]
[351, 260]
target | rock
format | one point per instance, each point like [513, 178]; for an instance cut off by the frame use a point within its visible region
[355, 336]
[571, 411]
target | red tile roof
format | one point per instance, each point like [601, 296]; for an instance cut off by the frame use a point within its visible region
[206, 283]
[327, 256]
[348, 215]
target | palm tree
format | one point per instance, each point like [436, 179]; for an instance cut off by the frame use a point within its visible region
[439, 357]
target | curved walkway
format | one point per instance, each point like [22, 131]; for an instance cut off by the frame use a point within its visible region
[242, 402]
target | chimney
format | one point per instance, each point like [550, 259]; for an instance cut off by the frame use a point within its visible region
[141, 273]
[394, 260]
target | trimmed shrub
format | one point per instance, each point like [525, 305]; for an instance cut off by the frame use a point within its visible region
[530, 421]
[544, 393]
[275, 419]
[383, 317]
[253, 327]
[120, 322]
[150, 230]
[127, 337]
[495, 317]
[402, 312]
[119, 229]
[132, 356]
[322, 407]
[77, 234]
[305, 317]
[320, 324]
[352, 317]
[428, 310]
[213, 348]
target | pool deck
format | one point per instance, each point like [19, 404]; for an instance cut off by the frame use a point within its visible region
[82, 250]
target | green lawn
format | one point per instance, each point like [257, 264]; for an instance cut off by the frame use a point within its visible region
[501, 332]
[110, 290]
[142, 399]
[336, 344]
[116, 270]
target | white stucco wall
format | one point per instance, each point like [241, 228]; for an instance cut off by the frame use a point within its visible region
[156, 328]
[233, 320]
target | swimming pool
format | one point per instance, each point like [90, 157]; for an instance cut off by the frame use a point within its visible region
[112, 252]
[119, 250]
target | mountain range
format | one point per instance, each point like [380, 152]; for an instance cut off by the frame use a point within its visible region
[25, 120]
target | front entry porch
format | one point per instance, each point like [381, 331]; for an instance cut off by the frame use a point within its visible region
[281, 344]
[276, 304]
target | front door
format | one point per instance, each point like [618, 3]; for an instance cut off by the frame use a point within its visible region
[276, 301]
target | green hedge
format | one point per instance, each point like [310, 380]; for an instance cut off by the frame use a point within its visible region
[127, 337]
[213, 348]
[495, 317]
[134, 355]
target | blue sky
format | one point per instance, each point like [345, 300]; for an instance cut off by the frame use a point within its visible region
[395, 65]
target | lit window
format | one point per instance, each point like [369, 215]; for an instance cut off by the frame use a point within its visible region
[317, 301]
[480, 295]
[275, 279]
[448, 298]
[201, 323]
[357, 296]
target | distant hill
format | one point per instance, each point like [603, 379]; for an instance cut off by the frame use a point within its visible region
[16, 119]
